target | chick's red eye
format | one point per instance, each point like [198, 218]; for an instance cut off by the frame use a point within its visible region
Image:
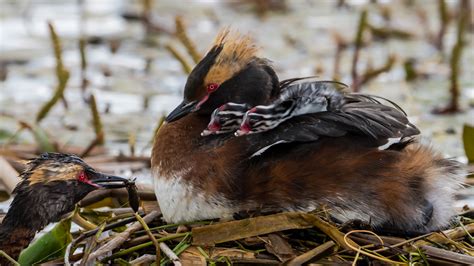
[212, 87]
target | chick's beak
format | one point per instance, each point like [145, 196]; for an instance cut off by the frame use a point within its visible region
[109, 181]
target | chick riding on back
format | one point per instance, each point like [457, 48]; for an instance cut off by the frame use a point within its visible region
[343, 157]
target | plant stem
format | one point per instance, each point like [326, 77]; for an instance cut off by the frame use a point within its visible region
[62, 75]
[184, 63]
[184, 38]
[358, 45]
[144, 245]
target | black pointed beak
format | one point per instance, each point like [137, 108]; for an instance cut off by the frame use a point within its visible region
[109, 181]
[183, 109]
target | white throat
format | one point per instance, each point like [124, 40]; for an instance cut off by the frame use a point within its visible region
[180, 201]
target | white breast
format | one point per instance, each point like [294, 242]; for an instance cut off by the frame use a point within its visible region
[181, 202]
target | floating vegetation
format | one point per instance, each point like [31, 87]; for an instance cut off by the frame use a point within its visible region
[99, 139]
[180, 57]
[410, 72]
[96, 120]
[468, 141]
[291, 238]
[185, 40]
[82, 53]
[62, 75]
[187, 43]
[146, 17]
[463, 22]
[341, 46]
[357, 46]
[370, 73]
[384, 33]
[43, 140]
[438, 40]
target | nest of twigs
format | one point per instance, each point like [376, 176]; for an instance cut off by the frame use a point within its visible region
[290, 238]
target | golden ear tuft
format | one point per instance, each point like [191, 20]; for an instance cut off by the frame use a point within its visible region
[237, 48]
[221, 36]
[237, 51]
[54, 172]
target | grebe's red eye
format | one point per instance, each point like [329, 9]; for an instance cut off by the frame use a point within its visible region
[82, 177]
[211, 87]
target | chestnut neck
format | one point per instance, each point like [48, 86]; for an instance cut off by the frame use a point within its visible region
[178, 137]
[179, 146]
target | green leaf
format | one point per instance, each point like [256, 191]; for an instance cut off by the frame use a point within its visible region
[50, 246]
[468, 139]
[121, 262]
[45, 144]
[95, 216]
[43, 140]
[5, 134]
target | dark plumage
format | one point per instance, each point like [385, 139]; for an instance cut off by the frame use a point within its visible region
[329, 159]
[49, 188]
